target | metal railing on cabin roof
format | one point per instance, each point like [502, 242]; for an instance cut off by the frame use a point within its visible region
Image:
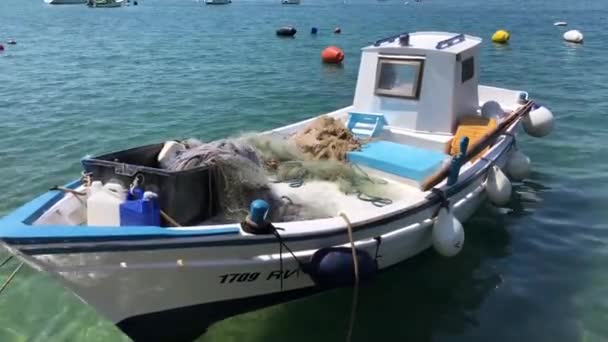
[444, 44]
[391, 38]
[450, 42]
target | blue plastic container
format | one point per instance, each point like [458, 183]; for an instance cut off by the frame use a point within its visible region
[142, 211]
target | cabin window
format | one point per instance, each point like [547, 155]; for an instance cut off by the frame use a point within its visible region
[468, 69]
[399, 77]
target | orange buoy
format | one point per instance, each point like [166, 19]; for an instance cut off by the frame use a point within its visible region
[332, 54]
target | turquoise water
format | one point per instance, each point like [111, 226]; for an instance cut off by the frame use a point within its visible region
[83, 81]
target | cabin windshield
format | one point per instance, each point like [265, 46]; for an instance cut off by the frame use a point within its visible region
[399, 77]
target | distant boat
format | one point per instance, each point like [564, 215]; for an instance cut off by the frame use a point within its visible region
[65, 2]
[105, 3]
[217, 2]
[290, 2]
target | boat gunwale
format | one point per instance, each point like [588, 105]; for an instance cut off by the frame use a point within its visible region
[21, 220]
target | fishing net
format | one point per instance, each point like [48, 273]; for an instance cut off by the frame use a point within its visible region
[245, 167]
[326, 138]
[317, 152]
[237, 171]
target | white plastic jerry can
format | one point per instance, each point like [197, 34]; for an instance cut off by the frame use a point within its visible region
[103, 204]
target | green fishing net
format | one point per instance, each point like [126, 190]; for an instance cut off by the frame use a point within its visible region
[246, 165]
[284, 162]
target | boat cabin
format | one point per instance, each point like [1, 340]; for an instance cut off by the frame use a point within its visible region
[413, 92]
[420, 82]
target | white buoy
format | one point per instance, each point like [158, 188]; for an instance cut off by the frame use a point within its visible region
[518, 165]
[492, 110]
[539, 122]
[498, 186]
[560, 23]
[448, 234]
[573, 36]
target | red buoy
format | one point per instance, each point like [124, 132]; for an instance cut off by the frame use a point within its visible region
[332, 54]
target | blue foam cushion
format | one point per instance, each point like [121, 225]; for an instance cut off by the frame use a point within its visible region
[398, 159]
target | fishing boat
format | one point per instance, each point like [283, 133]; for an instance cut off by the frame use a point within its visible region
[441, 142]
[217, 2]
[65, 2]
[105, 3]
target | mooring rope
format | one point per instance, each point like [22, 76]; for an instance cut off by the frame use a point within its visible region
[353, 308]
[10, 278]
[8, 258]
[282, 245]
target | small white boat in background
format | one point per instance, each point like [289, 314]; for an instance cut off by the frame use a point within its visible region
[290, 2]
[65, 2]
[105, 3]
[560, 23]
[217, 2]
[439, 142]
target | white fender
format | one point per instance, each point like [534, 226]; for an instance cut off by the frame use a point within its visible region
[518, 165]
[539, 122]
[498, 186]
[447, 234]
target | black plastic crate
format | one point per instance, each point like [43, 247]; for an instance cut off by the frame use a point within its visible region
[186, 196]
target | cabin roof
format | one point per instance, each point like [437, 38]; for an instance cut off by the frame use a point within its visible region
[428, 41]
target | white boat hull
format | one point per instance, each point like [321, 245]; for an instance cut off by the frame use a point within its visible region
[133, 283]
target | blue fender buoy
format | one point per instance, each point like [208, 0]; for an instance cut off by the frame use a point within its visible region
[256, 222]
[313, 30]
[333, 267]
[1, 47]
[258, 211]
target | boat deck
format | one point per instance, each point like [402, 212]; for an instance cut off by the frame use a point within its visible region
[322, 199]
